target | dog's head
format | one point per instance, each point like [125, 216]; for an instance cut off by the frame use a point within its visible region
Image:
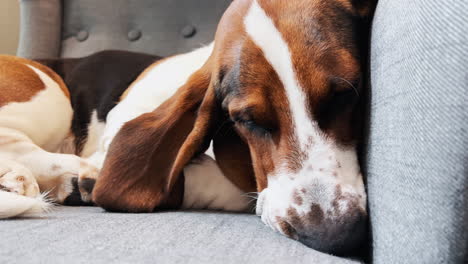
[279, 98]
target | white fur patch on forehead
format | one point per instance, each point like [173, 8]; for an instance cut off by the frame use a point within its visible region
[268, 38]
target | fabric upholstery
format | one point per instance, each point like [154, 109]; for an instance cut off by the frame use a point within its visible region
[40, 30]
[160, 27]
[89, 235]
[418, 146]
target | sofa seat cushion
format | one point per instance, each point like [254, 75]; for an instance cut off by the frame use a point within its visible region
[90, 235]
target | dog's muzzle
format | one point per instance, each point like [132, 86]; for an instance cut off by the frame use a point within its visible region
[321, 214]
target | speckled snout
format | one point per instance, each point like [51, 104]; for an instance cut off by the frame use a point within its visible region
[338, 228]
[318, 210]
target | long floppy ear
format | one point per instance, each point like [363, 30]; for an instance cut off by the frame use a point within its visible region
[145, 160]
[233, 157]
[231, 152]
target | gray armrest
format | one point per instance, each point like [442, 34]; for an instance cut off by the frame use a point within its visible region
[40, 30]
[418, 149]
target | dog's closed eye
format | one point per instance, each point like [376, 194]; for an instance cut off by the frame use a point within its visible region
[255, 128]
[343, 95]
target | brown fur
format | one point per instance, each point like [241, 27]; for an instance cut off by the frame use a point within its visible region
[315, 57]
[147, 156]
[297, 198]
[287, 229]
[233, 157]
[19, 83]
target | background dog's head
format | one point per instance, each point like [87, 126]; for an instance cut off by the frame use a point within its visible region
[279, 97]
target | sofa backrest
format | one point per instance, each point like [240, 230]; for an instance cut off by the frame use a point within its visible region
[59, 28]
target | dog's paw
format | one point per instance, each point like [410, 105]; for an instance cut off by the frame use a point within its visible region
[70, 181]
[18, 179]
[74, 196]
[87, 178]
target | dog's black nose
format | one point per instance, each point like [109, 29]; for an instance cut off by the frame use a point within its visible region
[340, 235]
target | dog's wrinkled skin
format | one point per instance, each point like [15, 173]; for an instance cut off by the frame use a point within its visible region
[279, 97]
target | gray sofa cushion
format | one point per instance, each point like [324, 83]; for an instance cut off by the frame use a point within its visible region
[89, 235]
[418, 149]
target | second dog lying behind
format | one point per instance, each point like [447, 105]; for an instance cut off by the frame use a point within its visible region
[48, 138]
[49, 118]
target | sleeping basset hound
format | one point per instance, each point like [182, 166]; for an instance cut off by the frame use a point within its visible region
[277, 95]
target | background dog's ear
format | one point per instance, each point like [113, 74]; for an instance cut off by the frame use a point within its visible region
[145, 159]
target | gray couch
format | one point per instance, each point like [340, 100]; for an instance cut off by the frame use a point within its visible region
[415, 156]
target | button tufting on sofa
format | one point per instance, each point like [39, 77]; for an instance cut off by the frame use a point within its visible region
[161, 21]
[82, 35]
[134, 35]
[189, 31]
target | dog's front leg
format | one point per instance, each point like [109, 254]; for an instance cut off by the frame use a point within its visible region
[64, 176]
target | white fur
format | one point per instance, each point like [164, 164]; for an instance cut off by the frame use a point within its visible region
[40, 124]
[16, 178]
[15, 205]
[95, 131]
[45, 119]
[158, 85]
[263, 32]
[206, 187]
[324, 155]
[320, 184]
[23, 197]
[38, 129]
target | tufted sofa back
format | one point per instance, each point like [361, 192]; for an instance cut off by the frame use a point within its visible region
[74, 28]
